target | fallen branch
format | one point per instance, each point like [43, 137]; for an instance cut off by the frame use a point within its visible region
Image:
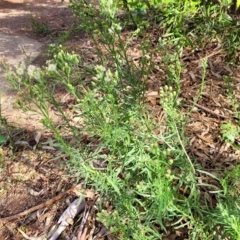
[42, 205]
[210, 111]
[208, 56]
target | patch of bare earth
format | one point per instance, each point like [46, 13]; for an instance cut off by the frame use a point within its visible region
[36, 178]
[28, 179]
[213, 109]
[16, 17]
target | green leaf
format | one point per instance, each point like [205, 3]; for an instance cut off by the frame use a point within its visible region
[229, 132]
[237, 4]
[2, 139]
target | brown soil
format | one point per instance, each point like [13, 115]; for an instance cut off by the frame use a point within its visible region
[16, 16]
[28, 18]
[27, 177]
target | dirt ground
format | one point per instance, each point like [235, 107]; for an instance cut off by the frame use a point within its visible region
[21, 18]
[29, 178]
[27, 28]
[16, 16]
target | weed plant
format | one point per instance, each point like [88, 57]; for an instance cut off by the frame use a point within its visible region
[5, 129]
[38, 25]
[148, 178]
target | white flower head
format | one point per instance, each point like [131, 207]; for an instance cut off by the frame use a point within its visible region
[115, 28]
[20, 71]
[31, 69]
[118, 27]
[36, 75]
[52, 67]
[111, 30]
[21, 68]
[108, 76]
[100, 68]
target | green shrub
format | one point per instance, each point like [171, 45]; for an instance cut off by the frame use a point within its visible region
[147, 177]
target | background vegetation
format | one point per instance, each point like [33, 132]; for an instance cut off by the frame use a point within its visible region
[140, 165]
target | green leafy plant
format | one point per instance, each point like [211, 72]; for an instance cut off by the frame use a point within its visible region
[146, 175]
[5, 129]
[2, 139]
[229, 84]
[229, 132]
[227, 213]
[39, 26]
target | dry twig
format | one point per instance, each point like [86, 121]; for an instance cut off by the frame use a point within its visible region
[42, 205]
[210, 111]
